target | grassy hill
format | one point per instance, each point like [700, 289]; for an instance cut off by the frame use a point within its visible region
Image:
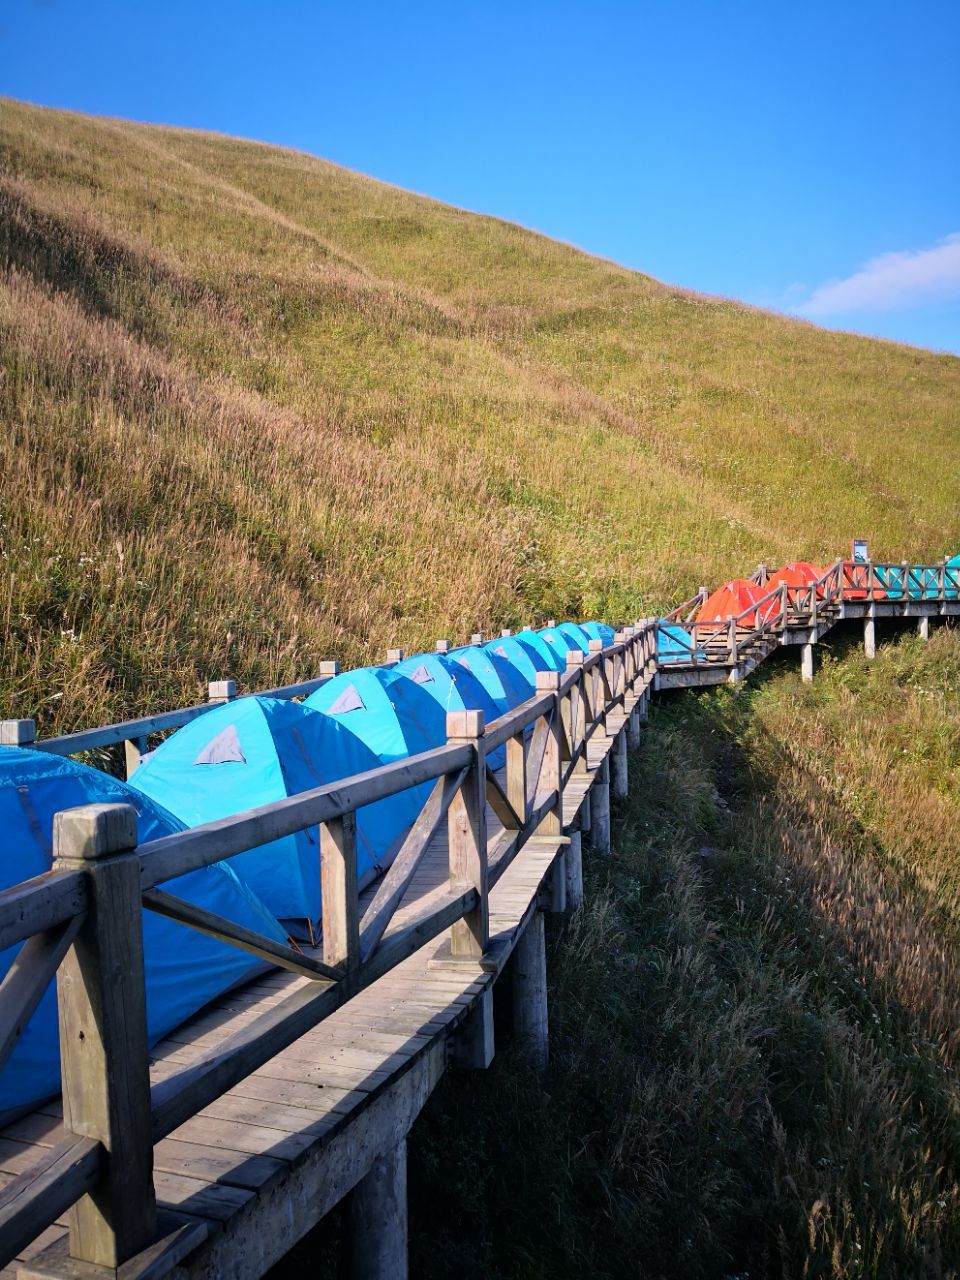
[260, 410]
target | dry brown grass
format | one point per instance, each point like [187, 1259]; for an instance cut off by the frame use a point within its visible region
[320, 417]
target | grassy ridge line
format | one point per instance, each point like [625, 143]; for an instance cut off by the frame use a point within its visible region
[259, 410]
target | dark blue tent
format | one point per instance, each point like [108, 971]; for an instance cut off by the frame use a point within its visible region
[184, 969]
[254, 751]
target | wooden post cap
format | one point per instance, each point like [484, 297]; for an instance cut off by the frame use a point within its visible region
[574, 659]
[549, 681]
[221, 690]
[443, 646]
[329, 668]
[17, 733]
[596, 646]
[394, 655]
[477, 638]
[94, 831]
[464, 724]
[551, 622]
[506, 631]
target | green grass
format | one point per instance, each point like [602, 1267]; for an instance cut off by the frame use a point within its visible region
[260, 410]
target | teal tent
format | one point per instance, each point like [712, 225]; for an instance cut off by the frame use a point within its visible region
[183, 969]
[254, 751]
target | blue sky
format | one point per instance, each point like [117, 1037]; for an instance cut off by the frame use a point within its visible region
[802, 156]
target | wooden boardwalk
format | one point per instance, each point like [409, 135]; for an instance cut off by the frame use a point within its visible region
[215, 1152]
[248, 1173]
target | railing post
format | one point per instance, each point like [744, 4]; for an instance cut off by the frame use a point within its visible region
[221, 690]
[574, 708]
[339, 902]
[443, 646]
[17, 733]
[467, 834]
[551, 824]
[732, 640]
[477, 638]
[103, 1034]
[394, 656]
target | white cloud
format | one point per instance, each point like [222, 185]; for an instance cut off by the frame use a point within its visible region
[893, 282]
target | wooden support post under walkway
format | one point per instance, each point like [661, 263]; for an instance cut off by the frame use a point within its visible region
[870, 638]
[619, 775]
[376, 1220]
[530, 1026]
[600, 809]
[923, 626]
[633, 728]
[573, 866]
[806, 663]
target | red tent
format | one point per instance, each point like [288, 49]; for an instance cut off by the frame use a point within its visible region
[798, 574]
[733, 599]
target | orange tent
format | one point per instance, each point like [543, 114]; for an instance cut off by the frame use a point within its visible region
[733, 599]
[798, 574]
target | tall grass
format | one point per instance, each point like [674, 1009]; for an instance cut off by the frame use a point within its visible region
[258, 410]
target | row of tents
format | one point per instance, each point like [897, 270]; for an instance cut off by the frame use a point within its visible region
[748, 601]
[238, 755]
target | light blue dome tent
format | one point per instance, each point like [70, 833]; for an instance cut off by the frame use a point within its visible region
[253, 751]
[534, 640]
[674, 645]
[184, 969]
[576, 634]
[598, 631]
[454, 687]
[559, 643]
[952, 576]
[395, 718]
[390, 714]
[504, 686]
[526, 661]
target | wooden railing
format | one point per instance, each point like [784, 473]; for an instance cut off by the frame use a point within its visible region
[82, 923]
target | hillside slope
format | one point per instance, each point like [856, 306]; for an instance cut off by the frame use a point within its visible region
[259, 410]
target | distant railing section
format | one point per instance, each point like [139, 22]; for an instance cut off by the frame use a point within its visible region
[686, 640]
[82, 923]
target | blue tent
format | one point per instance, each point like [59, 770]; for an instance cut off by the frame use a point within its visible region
[505, 687]
[184, 969]
[454, 687]
[675, 644]
[253, 751]
[559, 643]
[524, 660]
[534, 641]
[390, 714]
[577, 635]
[952, 577]
[599, 631]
